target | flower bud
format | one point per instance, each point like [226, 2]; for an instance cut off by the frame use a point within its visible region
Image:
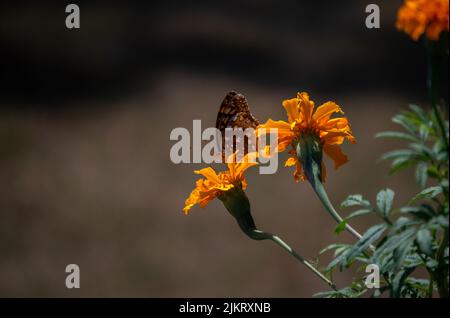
[309, 153]
[236, 202]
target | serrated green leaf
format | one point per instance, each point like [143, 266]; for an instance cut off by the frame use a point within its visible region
[432, 264]
[397, 135]
[402, 223]
[433, 172]
[370, 236]
[420, 285]
[400, 254]
[358, 213]
[424, 132]
[332, 247]
[401, 163]
[425, 241]
[428, 193]
[398, 280]
[423, 151]
[422, 174]
[336, 261]
[419, 112]
[418, 282]
[403, 121]
[392, 243]
[402, 153]
[341, 250]
[355, 200]
[443, 220]
[422, 212]
[385, 199]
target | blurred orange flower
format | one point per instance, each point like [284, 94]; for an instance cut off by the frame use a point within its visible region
[303, 122]
[216, 184]
[417, 17]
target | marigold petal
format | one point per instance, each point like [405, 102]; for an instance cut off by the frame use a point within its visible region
[248, 161]
[290, 162]
[336, 154]
[281, 125]
[244, 184]
[324, 111]
[306, 107]
[291, 107]
[209, 174]
[298, 173]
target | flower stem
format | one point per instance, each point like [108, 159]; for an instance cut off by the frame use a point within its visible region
[260, 235]
[314, 179]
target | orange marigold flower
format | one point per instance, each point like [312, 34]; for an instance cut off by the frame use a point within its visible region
[417, 17]
[216, 184]
[304, 122]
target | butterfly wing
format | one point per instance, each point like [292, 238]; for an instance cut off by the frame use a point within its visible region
[234, 112]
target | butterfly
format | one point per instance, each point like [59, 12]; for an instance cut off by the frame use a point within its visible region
[234, 112]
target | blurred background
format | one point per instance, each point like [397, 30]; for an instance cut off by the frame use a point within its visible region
[85, 120]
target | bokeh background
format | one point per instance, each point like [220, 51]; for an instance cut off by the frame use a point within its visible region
[85, 120]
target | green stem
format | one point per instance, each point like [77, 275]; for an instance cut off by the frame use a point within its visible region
[316, 183]
[309, 153]
[323, 196]
[260, 235]
[237, 203]
[442, 271]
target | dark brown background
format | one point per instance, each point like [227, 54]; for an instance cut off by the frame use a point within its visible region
[85, 120]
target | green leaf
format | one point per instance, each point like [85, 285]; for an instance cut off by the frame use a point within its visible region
[444, 184]
[400, 254]
[371, 235]
[424, 132]
[401, 163]
[340, 227]
[341, 250]
[420, 113]
[425, 241]
[355, 200]
[432, 264]
[423, 151]
[402, 223]
[418, 282]
[428, 193]
[443, 221]
[423, 212]
[398, 281]
[385, 199]
[433, 172]
[358, 213]
[332, 247]
[397, 135]
[336, 261]
[422, 174]
[392, 243]
[406, 123]
[402, 153]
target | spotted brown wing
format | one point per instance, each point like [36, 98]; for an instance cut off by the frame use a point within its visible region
[234, 112]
